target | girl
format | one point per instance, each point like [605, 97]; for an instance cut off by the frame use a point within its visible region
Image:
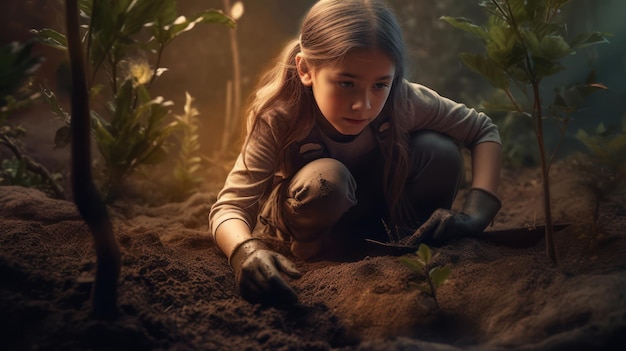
[340, 147]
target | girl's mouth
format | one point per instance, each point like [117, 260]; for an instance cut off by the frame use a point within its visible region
[355, 121]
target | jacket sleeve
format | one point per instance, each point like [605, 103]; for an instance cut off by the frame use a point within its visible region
[435, 112]
[247, 182]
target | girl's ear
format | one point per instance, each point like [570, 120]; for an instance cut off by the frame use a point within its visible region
[303, 71]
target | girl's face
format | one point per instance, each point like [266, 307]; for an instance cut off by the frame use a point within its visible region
[350, 93]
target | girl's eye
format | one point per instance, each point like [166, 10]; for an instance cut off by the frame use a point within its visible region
[381, 85]
[346, 84]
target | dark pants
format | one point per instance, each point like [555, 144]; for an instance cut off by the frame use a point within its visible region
[327, 208]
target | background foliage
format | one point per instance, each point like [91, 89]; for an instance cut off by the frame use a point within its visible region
[202, 62]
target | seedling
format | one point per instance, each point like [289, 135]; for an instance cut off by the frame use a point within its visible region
[422, 264]
[524, 43]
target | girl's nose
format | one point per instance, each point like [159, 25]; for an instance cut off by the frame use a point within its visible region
[363, 102]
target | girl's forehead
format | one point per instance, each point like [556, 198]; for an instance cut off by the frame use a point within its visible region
[373, 60]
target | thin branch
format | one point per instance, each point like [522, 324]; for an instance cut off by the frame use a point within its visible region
[33, 166]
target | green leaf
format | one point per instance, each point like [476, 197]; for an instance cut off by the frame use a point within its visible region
[62, 137]
[51, 38]
[591, 144]
[139, 14]
[439, 275]
[182, 24]
[587, 39]
[466, 25]
[53, 103]
[483, 66]
[518, 10]
[531, 39]
[16, 65]
[103, 136]
[424, 253]
[617, 145]
[412, 264]
[217, 17]
[555, 47]
[156, 156]
[545, 67]
[195, 159]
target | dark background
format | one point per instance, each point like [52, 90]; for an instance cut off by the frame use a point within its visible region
[200, 61]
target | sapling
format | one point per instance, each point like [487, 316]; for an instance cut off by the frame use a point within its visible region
[86, 197]
[422, 264]
[602, 169]
[525, 42]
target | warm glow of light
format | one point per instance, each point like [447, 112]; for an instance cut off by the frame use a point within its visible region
[236, 11]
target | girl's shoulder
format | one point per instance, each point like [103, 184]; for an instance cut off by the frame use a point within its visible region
[280, 126]
[421, 92]
[276, 119]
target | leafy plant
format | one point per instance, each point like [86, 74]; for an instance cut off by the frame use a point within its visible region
[422, 264]
[602, 169]
[188, 162]
[136, 128]
[17, 65]
[525, 42]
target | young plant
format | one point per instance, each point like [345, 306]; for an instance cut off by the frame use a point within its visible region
[602, 169]
[136, 129]
[88, 202]
[525, 41]
[422, 264]
[17, 65]
[188, 162]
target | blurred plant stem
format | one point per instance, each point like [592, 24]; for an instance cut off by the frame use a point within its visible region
[233, 87]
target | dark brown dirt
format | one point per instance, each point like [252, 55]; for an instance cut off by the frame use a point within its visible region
[178, 293]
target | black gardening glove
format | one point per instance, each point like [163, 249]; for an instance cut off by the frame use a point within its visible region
[443, 225]
[258, 274]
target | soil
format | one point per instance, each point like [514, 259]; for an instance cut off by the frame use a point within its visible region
[177, 292]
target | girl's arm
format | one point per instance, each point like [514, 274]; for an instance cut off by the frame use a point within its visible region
[481, 202]
[486, 166]
[231, 234]
[258, 270]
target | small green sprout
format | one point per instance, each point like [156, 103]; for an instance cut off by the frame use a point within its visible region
[422, 264]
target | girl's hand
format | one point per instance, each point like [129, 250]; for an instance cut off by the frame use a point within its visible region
[443, 225]
[258, 274]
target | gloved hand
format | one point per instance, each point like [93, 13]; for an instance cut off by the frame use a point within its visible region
[258, 274]
[443, 225]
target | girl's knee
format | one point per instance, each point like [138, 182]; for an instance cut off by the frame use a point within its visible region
[325, 181]
[437, 166]
[319, 194]
[429, 148]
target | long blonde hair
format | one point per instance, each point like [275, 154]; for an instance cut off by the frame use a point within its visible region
[330, 30]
